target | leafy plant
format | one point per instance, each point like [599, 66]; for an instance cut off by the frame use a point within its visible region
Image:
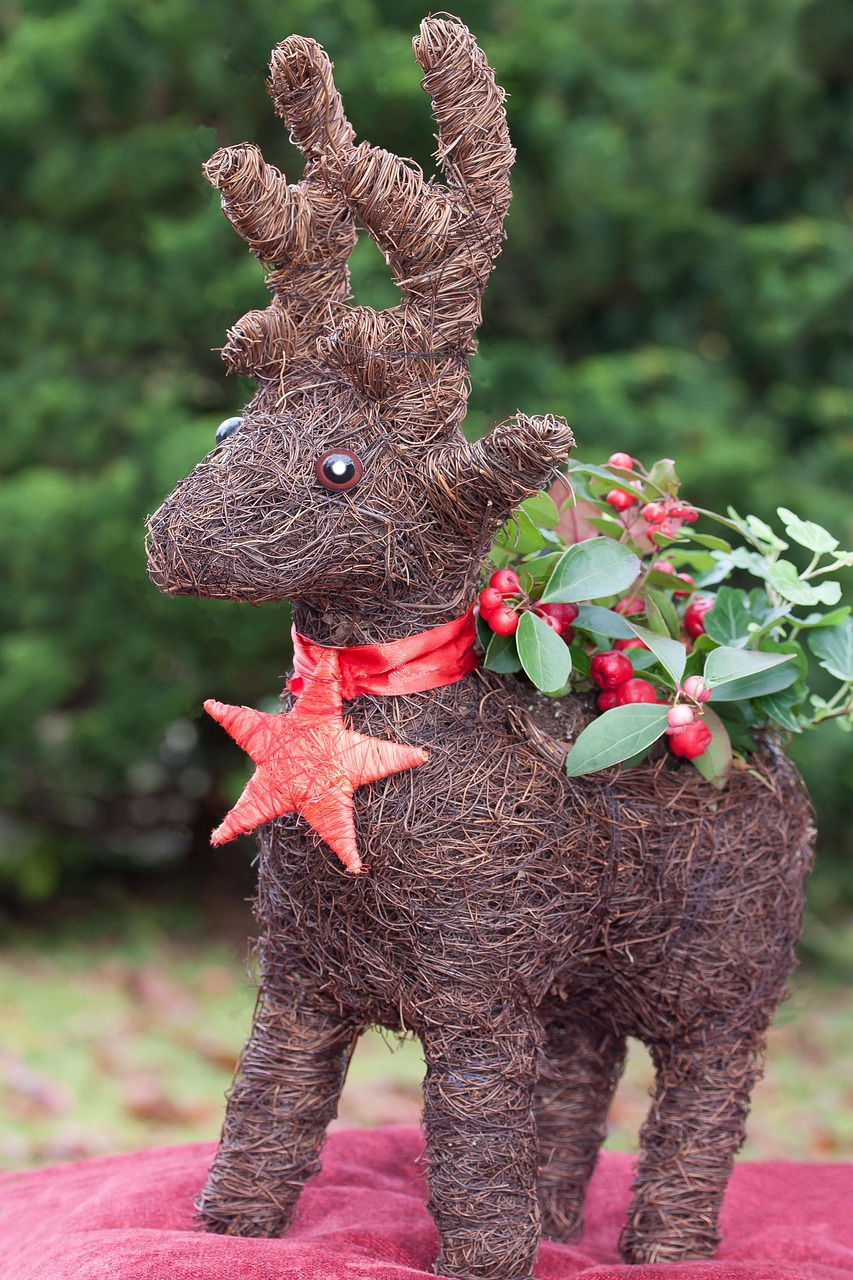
[595, 593]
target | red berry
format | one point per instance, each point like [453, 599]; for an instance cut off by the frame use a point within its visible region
[568, 634]
[565, 614]
[663, 566]
[504, 581]
[692, 741]
[619, 500]
[490, 599]
[553, 623]
[503, 621]
[635, 643]
[623, 460]
[694, 616]
[677, 510]
[635, 690]
[606, 700]
[630, 605]
[654, 512]
[690, 516]
[685, 577]
[610, 669]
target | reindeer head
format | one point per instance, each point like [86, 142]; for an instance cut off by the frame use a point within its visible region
[348, 486]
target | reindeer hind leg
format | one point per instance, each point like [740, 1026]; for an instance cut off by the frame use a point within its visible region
[688, 1143]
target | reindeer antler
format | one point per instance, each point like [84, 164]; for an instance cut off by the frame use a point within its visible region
[303, 230]
[440, 241]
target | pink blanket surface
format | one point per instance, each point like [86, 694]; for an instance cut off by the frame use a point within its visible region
[131, 1217]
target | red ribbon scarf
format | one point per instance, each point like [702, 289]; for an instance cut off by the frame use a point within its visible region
[423, 661]
[309, 761]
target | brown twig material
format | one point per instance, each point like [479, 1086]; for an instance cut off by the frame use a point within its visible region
[521, 923]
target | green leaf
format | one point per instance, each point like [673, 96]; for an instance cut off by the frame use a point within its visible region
[610, 528]
[833, 649]
[740, 558]
[806, 533]
[710, 541]
[728, 621]
[785, 577]
[671, 654]
[765, 535]
[716, 760]
[540, 568]
[581, 661]
[734, 674]
[541, 510]
[597, 567]
[783, 707]
[616, 736]
[725, 664]
[663, 477]
[484, 631]
[502, 655]
[692, 559]
[830, 619]
[544, 656]
[603, 622]
[520, 535]
[664, 610]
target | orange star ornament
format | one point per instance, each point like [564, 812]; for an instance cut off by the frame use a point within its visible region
[308, 762]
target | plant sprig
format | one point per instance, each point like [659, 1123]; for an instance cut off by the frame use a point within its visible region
[594, 595]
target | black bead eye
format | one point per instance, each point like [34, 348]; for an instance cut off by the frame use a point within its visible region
[227, 428]
[338, 470]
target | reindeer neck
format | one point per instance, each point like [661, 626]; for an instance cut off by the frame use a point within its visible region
[339, 625]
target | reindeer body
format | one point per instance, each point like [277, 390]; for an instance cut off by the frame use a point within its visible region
[523, 924]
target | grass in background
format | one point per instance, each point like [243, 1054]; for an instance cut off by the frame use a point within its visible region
[109, 1048]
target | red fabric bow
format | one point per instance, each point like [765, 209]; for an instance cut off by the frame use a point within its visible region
[309, 761]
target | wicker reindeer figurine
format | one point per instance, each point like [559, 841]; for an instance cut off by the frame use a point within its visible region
[425, 863]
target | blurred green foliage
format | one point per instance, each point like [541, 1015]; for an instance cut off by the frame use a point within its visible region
[677, 280]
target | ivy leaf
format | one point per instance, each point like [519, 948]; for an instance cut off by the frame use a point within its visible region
[544, 656]
[671, 654]
[541, 510]
[833, 649]
[830, 619]
[784, 576]
[734, 674]
[764, 534]
[502, 655]
[806, 533]
[716, 760]
[603, 622]
[597, 567]
[618, 735]
[728, 621]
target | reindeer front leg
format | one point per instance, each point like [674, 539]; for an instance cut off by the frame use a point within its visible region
[285, 1093]
[481, 1137]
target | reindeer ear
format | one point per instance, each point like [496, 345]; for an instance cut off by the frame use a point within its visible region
[514, 461]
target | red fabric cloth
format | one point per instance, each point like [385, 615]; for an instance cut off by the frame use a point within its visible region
[426, 660]
[131, 1218]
